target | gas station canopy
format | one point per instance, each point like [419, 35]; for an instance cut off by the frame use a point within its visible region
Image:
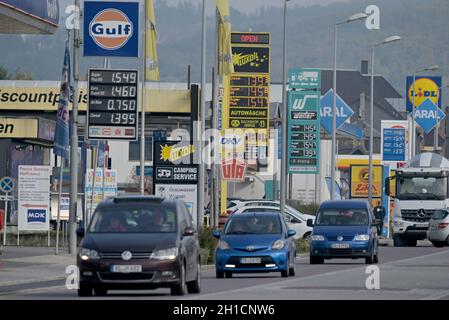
[29, 16]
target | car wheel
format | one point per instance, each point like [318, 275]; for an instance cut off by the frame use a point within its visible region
[306, 237]
[376, 258]
[284, 273]
[181, 288]
[292, 270]
[100, 291]
[398, 241]
[219, 274]
[316, 260]
[370, 259]
[195, 286]
[412, 243]
[84, 290]
[438, 244]
[228, 274]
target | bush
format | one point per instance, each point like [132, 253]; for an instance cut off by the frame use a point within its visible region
[207, 244]
[302, 246]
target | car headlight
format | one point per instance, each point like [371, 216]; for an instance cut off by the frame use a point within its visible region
[166, 254]
[317, 237]
[398, 223]
[361, 237]
[278, 244]
[223, 245]
[88, 254]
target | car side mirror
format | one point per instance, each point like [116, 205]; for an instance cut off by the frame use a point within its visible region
[189, 231]
[291, 233]
[310, 222]
[216, 234]
[379, 212]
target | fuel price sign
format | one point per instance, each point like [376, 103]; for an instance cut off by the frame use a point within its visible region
[112, 107]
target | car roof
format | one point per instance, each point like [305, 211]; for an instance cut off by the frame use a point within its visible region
[344, 204]
[135, 199]
[258, 207]
[262, 213]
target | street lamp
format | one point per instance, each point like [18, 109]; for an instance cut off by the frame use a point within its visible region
[354, 17]
[371, 124]
[283, 190]
[413, 135]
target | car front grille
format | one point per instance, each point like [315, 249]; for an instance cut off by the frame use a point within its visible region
[264, 261]
[118, 255]
[416, 215]
[345, 238]
[140, 276]
[246, 250]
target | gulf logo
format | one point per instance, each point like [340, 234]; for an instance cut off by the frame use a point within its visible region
[424, 88]
[111, 29]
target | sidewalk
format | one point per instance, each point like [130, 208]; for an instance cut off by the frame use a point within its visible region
[21, 265]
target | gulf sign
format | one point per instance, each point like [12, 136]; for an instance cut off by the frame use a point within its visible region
[111, 29]
[425, 87]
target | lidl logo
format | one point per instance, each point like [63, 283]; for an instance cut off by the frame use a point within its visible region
[424, 88]
[111, 29]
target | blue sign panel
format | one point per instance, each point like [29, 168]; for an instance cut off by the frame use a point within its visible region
[7, 184]
[36, 215]
[394, 144]
[344, 112]
[111, 29]
[47, 10]
[425, 115]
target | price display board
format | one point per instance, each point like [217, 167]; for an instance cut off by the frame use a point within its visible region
[303, 131]
[112, 107]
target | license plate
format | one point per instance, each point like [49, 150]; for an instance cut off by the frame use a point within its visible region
[126, 268]
[250, 260]
[340, 245]
[421, 225]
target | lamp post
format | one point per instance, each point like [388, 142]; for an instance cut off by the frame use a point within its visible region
[413, 135]
[283, 191]
[371, 124]
[354, 17]
[437, 123]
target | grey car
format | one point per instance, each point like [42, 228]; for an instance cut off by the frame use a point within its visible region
[438, 232]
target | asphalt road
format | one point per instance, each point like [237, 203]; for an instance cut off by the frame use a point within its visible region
[404, 273]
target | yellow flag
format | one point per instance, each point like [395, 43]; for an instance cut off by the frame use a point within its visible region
[224, 38]
[151, 63]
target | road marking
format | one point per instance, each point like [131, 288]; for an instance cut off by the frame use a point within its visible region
[283, 283]
[437, 296]
[28, 281]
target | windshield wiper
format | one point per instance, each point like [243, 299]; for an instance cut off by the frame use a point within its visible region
[238, 232]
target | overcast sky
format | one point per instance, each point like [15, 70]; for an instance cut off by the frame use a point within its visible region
[249, 6]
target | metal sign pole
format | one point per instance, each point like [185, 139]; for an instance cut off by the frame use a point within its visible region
[58, 219]
[4, 220]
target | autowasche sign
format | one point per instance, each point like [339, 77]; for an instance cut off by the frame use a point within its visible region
[111, 29]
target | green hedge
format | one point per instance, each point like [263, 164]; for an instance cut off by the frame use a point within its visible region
[208, 244]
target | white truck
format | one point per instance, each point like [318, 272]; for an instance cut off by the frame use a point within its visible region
[421, 188]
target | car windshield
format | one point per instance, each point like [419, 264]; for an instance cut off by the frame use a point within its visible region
[252, 224]
[421, 188]
[134, 219]
[342, 217]
[440, 215]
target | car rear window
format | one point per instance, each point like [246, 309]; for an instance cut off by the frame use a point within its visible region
[254, 225]
[342, 217]
[146, 218]
[440, 214]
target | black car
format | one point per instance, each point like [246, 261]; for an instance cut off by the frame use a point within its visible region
[139, 242]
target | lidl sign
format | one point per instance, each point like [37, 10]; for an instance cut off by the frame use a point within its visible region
[424, 88]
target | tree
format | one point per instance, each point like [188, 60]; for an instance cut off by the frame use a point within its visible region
[21, 75]
[3, 73]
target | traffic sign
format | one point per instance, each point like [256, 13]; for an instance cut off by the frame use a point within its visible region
[112, 108]
[303, 131]
[425, 115]
[344, 112]
[7, 184]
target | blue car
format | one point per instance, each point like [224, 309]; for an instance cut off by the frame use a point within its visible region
[344, 229]
[256, 242]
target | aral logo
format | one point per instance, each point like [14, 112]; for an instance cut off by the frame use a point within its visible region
[111, 29]
[424, 88]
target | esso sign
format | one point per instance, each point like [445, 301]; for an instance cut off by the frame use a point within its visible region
[111, 29]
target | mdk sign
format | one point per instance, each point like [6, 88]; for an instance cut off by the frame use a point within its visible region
[360, 181]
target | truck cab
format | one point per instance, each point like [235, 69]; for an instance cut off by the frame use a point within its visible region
[420, 190]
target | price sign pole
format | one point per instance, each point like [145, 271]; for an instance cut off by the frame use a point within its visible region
[7, 185]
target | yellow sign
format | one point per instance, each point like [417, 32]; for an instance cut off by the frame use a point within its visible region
[425, 89]
[172, 154]
[18, 128]
[46, 98]
[360, 181]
